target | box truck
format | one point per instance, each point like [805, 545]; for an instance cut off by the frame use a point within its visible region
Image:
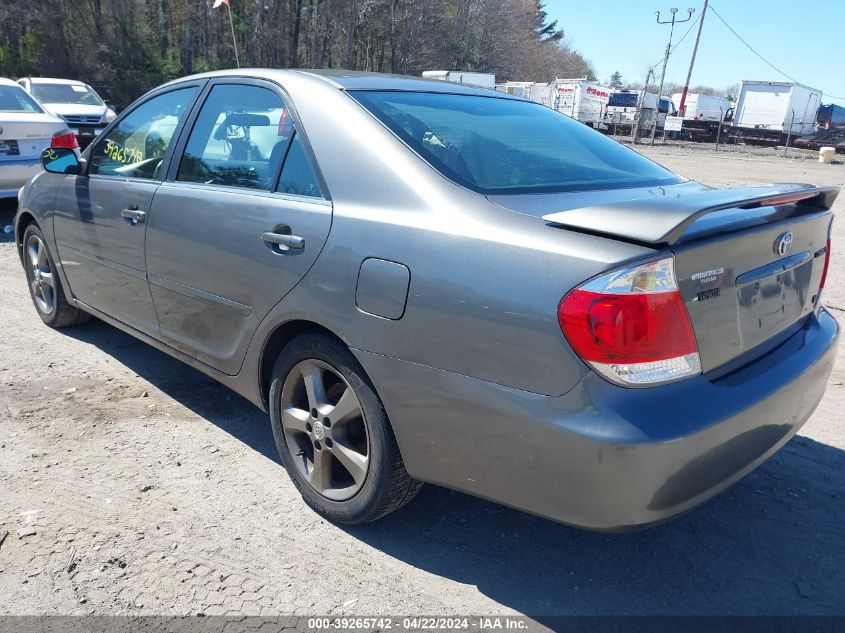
[584, 101]
[530, 90]
[479, 80]
[624, 107]
[767, 112]
[699, 107]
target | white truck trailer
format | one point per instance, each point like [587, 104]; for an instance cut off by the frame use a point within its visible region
[479, 80]
[699, 107]
[583, 100]
[530, 90]
[771, 111]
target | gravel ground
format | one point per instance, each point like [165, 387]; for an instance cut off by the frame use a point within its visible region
[150, 489]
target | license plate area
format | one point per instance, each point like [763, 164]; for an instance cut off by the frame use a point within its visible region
[9, 148]
[773, 297]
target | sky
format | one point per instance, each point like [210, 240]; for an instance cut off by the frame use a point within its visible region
[803, 38]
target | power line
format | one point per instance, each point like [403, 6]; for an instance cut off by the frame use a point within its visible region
[753, 50]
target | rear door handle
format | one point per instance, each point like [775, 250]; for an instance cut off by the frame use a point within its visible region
[133, 216]
[281, 242]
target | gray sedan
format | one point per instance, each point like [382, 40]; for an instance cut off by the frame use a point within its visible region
[422, 281]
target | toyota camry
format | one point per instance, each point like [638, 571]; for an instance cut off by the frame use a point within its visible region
[428, 282]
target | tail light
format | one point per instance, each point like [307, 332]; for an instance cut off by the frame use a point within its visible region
[631, 325]
[66, 139]
[826, 257]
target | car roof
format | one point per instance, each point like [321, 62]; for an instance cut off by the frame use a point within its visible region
[8, 82]
[355, 80]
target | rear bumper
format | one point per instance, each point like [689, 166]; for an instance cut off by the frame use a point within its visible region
[604, 457]
[14, 174]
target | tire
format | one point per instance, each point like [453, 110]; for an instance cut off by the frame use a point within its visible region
[313, 375]
[45, 285]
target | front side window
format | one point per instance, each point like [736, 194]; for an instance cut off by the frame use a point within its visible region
[135, 147]
[495, 145]
[79, 94]
[14, 99]
[239, 138]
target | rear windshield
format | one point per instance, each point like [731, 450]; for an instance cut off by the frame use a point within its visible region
[505, 146]
[623, 99]
[66, 93]
[14, 99]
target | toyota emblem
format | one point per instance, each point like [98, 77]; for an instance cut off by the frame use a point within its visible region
[783, 243]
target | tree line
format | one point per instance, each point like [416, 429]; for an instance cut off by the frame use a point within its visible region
[126, 47]
[731, 92]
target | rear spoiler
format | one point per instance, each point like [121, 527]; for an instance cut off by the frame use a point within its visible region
[662, 221]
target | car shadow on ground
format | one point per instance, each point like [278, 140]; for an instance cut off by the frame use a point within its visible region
[772, 544]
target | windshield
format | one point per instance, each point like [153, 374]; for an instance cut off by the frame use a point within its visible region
[623, 99]
[14, 99]
[66, 93]
[498, 145]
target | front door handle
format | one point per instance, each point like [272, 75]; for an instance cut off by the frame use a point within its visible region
[133, 216]
[282, 242]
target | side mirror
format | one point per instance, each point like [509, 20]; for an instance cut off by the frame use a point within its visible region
[60, 160]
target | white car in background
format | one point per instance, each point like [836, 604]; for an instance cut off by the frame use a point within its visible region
[74, 101]
[26, 130]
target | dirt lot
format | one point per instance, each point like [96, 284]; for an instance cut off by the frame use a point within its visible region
[151, 489]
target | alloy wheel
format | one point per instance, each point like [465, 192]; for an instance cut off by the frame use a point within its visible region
[41, 276]
[325, 429]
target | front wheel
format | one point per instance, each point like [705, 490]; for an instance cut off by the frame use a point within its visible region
[333, 435]
[45, 286]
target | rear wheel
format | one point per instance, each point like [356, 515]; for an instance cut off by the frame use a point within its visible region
[45, 287]
[333, 435]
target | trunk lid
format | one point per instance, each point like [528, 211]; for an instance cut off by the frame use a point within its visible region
[25, 134]
[744, 287]
[748, 261]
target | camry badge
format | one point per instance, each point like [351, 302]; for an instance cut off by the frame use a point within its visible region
[783, 243]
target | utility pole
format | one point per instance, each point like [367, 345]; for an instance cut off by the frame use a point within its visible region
[640, 101]
[683, 104]
[673, 21]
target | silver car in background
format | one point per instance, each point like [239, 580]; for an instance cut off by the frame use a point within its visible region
[26, 129]
[76, 102]
[423, 281]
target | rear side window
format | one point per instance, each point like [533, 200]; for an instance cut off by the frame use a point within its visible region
[298, 177]
[14, 99]
[501, 146]
[239, 138]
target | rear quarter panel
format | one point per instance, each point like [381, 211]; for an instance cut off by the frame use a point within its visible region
[485, 282]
